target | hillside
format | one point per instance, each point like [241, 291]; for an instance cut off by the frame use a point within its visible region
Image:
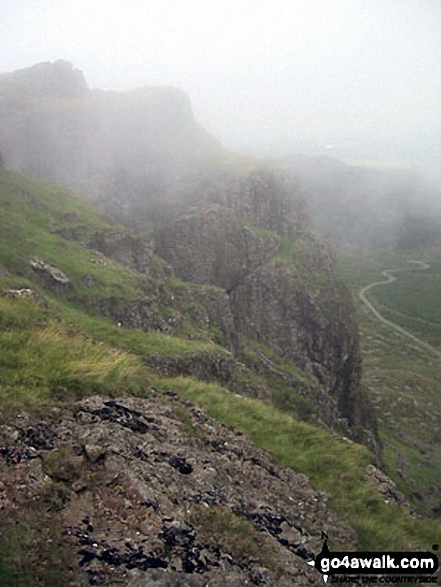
[133, 152]
[101, 354]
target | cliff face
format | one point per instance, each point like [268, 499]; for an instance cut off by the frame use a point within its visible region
[211, 247]
[235, 228]
[57, 79]
[250, 238]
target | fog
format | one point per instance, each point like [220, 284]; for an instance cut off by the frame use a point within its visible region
[358, 79]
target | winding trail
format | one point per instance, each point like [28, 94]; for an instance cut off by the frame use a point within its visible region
[388, 273]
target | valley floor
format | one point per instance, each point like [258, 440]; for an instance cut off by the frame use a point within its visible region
[400, 319]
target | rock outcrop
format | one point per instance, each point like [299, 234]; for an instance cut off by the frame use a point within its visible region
[211, 247]
[127, 249]
[50, 276]
[153, 491]
[250, 237]
[44, 80]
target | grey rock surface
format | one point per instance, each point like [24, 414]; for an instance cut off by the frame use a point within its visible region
[147, 496]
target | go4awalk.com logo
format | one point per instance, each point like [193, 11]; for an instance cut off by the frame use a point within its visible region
[389, 567]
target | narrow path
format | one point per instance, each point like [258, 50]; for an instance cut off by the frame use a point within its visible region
[389, 279]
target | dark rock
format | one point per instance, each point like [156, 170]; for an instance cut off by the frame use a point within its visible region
[178, 463]
[115, 412]
[294, 305]
[213, 248]
[45, 79]
[113, 147]
[206, 366]
[386, 488]
[89, 280]
[127, 249]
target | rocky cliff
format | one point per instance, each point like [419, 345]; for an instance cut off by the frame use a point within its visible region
[250, 237]
[107, 476]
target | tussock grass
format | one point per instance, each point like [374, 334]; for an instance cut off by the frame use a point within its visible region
[49, 355]
[34, 216]
[42, 361]
[234, 535]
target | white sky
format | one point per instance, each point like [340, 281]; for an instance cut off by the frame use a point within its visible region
[256, 71]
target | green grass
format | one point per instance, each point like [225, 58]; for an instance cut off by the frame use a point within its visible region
[234, 535]
[32, 214]
[32, 555]
[56, 354]
[359, 267]
[43, 360]
[331, 463]
[41, 219]
[46, 360]
[413, 302]
[288, 249]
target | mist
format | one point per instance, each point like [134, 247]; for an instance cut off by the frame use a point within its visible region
[355, 79]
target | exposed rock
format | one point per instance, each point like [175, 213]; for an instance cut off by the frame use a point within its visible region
[207, 366]
[58, 79]
[89, 280]
[115, 147]
[133, 314]
[27, 293]
[211, 247]
[143, 152]
[317, 332]
[292, 303]
[386, 488]
[209, 308]
[50, 276]
[265, 198]
[161, 505]
[133, 252]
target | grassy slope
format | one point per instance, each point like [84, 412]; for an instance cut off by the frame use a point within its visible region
[51, 356]
[32, 213]
[403, 379]
[45, 360]
[413, 302]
